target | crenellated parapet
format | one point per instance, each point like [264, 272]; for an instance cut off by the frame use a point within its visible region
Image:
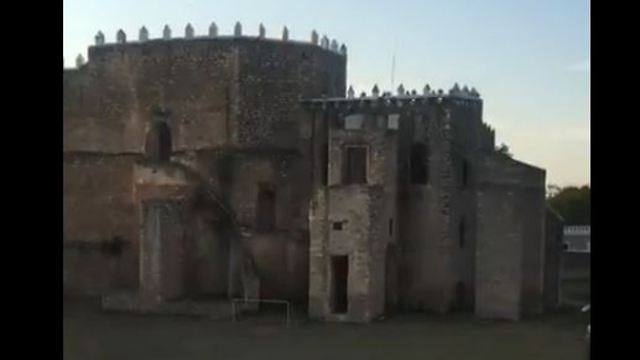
[487, 137]
[464, 92]
[215, 90]
[402, 98]
[213, 33]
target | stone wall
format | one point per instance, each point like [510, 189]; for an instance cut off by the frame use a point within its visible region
[99, 208]
[213, 93]
[318, 253]
[427, 270]
[498, 255]
[282, 265]
[533, 212]
[552, 258]
[510, 240]
[232, 107]
[435, 271]
[362, 239]
[363, 212]
[162, 252]
[467, 140]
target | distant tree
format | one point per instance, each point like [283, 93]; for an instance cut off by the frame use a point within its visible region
[504, 150]
[573, 204]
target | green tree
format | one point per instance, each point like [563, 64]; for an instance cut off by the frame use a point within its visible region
[573, 204]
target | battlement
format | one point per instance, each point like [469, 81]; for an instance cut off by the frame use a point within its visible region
[577, 230]
[403, 98]
[488, 137]
[212, 35]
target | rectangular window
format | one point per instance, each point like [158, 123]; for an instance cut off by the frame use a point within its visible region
[354, 122]
[355, 165]
[393, 122]
[390, 227]
[337, 225]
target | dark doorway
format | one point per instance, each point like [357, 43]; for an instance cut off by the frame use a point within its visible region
[158, 144]
[356, 165]
[340, 270]
[266, 208]
[391, 279]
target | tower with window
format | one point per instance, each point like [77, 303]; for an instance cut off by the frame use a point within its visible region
[352, 220]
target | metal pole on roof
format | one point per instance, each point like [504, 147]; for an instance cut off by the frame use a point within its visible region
[393, 65]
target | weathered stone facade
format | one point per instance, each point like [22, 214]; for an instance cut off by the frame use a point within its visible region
[231, 107]
[219, 166]
[553, 259]
[510, 246]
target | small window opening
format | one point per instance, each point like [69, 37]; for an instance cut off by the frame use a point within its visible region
[390, 227]
[337, 225]
[419, 163]
[356, 165]
[462, 233]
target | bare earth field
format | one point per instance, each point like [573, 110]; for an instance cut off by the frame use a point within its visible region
[92, 334]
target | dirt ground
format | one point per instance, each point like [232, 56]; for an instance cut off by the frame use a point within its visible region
[92, 334]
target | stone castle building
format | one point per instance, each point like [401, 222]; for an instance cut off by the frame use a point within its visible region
[210, 167]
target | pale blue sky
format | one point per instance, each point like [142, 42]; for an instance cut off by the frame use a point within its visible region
[529, 59]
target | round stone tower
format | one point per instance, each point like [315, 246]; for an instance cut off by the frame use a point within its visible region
[237, 91]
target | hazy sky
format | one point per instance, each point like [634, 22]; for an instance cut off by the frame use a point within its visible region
[529, 59]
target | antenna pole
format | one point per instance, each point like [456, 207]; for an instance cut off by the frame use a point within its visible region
[393, 70]
[393, 66]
